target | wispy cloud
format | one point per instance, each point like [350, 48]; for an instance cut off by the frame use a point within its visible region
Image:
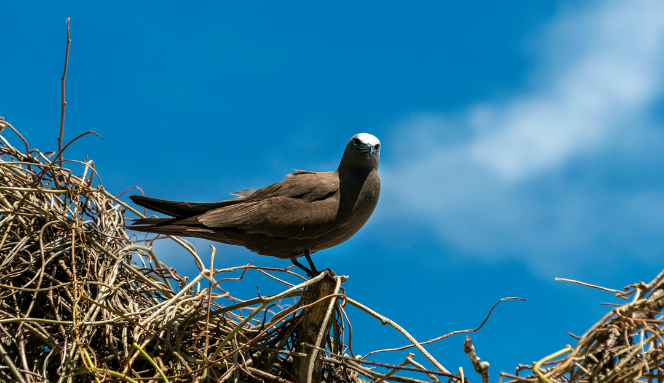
[507, 187]
[613, 74]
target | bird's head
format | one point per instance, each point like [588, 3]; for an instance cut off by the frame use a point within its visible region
[362, 151]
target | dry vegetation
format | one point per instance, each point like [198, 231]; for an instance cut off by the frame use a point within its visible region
[626, 345]
[80, 301]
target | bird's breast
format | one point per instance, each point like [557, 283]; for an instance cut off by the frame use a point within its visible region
[349, 222]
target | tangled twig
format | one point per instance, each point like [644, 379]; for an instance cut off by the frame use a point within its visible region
[81, 301]
[624, 346]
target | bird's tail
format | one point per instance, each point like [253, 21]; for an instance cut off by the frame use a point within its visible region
[157, 226]
[151, 221]
[180, 209]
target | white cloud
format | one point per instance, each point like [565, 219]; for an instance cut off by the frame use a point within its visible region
[499, 190]
[614, 73]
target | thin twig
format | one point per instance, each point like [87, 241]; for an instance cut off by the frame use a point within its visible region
[64, 103]
[589, 285]
[385, 320]
[387, 365]
[476, 329]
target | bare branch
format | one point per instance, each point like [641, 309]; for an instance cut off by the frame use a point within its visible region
[64, 103]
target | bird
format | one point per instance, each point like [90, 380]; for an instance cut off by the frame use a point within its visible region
[304, 213]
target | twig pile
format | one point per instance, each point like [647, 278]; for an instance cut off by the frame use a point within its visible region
[624, 346]
[79, 301]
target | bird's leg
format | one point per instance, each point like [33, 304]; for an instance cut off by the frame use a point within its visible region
[307, 254]
[310, 272]
[301, 266]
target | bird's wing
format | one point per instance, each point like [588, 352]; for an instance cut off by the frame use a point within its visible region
[244, 192]
[180, 209]
[298, 172]
[302, 206]
[248, 192]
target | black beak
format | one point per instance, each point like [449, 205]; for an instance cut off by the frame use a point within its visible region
[367, 148]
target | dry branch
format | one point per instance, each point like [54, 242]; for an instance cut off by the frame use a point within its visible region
[624, 346]
[80, 301]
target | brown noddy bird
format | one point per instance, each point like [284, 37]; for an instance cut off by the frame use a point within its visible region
[305, 213]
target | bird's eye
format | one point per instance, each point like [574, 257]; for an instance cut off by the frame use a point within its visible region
[356, 141]
[377, 146]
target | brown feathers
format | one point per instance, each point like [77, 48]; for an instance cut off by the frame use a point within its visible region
[305, 213]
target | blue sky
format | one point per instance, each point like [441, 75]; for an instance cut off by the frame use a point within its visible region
[521, 141]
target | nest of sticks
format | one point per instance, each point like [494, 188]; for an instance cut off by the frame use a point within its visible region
[626, 345]
[81, 301]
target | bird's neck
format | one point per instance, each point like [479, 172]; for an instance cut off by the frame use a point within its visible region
[351, 181]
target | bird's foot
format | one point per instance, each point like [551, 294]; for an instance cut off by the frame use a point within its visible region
[330, 273]
[311, 270]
